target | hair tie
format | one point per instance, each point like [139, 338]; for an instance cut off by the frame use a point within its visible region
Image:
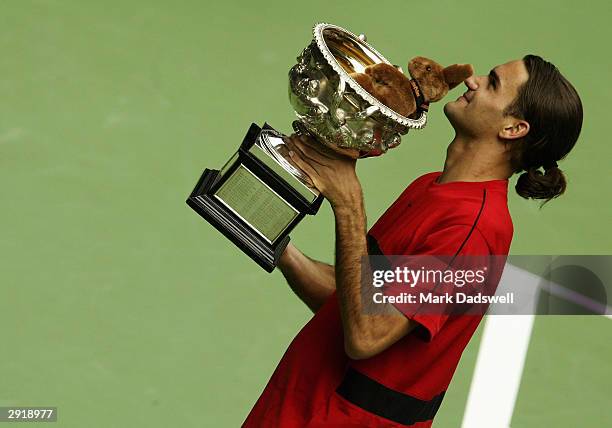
[549, 165]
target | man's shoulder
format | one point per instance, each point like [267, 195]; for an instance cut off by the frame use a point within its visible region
[424, 179]
[418, 185]
[484, 214]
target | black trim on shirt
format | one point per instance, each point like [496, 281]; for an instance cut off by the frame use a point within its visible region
[484, 199]
[376, 398]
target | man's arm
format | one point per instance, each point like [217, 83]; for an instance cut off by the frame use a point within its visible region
[365, 335]
[311, 280]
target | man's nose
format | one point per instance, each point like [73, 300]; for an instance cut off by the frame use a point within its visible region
[471, 83]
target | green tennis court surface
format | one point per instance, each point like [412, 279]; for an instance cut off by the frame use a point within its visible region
[122, 308]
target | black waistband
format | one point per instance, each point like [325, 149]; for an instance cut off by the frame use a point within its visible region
[376, 398]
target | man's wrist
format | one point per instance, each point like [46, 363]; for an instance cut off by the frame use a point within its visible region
[347, 206]
[287, 257]
[350, 201]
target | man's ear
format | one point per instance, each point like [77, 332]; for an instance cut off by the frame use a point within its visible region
[457, 73]
[517, 128]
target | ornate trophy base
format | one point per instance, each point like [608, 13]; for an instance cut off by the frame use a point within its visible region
[254, 200]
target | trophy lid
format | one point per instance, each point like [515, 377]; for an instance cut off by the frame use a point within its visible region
[347, 53]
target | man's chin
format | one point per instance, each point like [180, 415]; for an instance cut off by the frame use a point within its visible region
[453, 113]
[450, 109]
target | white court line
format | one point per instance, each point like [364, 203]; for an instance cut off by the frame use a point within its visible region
[501, 358]
[499, 365]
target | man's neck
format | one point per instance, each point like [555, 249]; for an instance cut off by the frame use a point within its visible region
[469, 159]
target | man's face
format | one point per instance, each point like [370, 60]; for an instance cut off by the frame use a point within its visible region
[479, 111]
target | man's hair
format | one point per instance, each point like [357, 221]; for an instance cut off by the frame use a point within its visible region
[552, 107]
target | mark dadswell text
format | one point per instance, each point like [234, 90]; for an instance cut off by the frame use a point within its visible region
[445, 298]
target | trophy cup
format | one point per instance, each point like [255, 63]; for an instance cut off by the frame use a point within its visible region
[258, 196]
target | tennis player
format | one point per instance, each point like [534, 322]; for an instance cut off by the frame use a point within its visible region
[348, 368]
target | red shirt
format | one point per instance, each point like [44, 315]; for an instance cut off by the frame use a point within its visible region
[317, 385]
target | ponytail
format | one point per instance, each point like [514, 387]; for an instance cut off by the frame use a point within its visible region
[533, 184]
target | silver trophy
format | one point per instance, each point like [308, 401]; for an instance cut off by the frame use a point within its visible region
[258, 196]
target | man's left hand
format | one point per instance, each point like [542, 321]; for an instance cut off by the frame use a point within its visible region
[332, 173]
